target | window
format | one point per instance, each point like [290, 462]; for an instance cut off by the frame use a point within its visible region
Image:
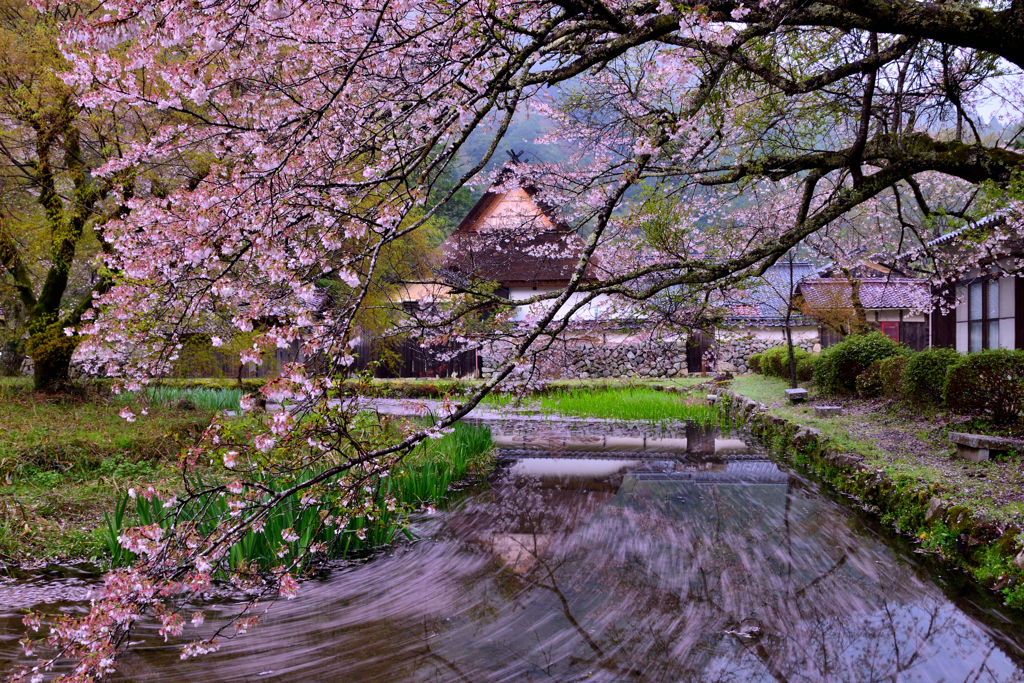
[983, 315]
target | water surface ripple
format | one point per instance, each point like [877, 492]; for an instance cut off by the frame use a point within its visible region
[614, 568]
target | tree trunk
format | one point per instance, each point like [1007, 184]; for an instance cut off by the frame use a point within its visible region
[50, 350]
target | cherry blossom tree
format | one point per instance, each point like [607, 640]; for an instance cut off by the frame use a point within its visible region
[709, 139]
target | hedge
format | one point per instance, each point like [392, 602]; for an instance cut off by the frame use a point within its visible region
[839, 366]
[987, 384]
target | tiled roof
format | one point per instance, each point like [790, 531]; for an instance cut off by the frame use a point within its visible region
[764, 299]
[875, 293]
[987, 222]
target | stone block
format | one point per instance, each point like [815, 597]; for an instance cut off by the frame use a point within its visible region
[827, 411]
[934, 510]
[796, 395]
[972, 454]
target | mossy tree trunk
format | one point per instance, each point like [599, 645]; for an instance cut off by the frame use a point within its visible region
[66, 217]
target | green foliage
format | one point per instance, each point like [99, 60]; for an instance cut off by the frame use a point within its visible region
[775, 363]
[120, 469]
[890, 375]
[987, 384]
[755, 362]
[869, 382]
[425, 476]
[839, 365]
[924, 378]
[805, 368]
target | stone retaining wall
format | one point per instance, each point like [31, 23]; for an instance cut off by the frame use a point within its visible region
[656, 360]
[642, 360]
[737, 352]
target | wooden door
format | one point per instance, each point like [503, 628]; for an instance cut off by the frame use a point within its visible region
[696, 347]
[891, 330]
[914, 335]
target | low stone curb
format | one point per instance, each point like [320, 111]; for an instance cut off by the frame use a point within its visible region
[910, 506]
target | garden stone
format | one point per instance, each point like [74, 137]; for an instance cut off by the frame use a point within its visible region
[977, 447]
[827, 411]
[796, 395]
[934, 511]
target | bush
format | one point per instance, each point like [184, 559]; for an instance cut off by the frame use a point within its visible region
[925, 375]
[989, 384]
[755, 362]
[775, 363]
[890, 375]
[805, 368]
[869, 382]
[839, 366]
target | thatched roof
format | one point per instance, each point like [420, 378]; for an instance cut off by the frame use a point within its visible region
[512, 238]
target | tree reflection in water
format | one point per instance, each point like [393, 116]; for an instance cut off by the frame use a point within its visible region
[734, 575]
[608, 570]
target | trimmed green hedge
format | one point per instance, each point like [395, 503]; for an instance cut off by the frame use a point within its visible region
[924, 378]
[775, 363]
[989, 384]
[839, 366]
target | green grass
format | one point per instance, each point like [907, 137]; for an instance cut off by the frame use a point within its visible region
[64, 460]
[425, 476]
[763, 389]
[638, 404]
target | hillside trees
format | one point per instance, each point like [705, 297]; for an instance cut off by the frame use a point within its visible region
[748, 127]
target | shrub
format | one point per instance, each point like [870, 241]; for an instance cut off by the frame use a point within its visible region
[869, 382]
[755, 362]
[805, 368]
[925, 375]
[890, 375]
[839, 366]
[989, 384]
[775, 363]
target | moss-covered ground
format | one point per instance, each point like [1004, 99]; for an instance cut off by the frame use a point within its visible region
[903, 440]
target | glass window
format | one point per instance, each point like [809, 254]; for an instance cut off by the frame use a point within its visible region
[974, 341]
[993, 334]
[993, 301]
[974, 310]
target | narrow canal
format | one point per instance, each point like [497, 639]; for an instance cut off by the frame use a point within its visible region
[685, 559]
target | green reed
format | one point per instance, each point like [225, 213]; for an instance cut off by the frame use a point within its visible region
[424, 477]
[202, 398]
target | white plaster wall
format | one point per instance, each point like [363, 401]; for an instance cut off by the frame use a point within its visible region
[887, 316]
[916, 318]
[961, 337]
[598, 309]
[771, 333]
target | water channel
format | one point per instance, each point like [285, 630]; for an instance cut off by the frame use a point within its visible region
[628, 555]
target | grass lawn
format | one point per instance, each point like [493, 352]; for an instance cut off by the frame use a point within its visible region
[635, 403]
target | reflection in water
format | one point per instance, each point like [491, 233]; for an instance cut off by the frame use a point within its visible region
[610, 569]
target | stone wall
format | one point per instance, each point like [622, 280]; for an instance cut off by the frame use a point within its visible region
[734, 354]
[588, 360]
[655, 360]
